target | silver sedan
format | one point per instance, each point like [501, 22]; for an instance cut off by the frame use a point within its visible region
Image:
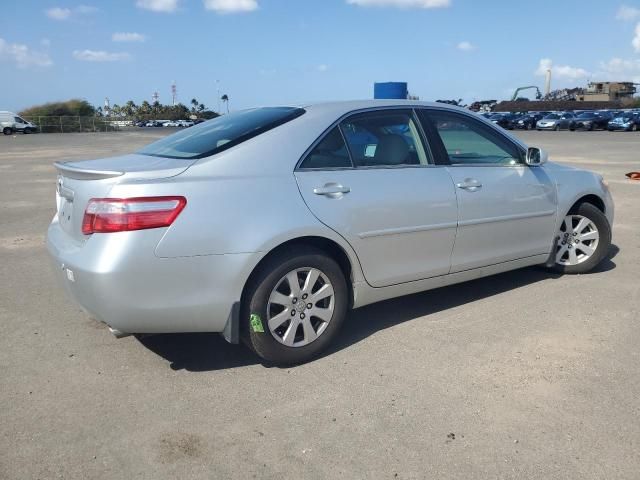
[269, 224]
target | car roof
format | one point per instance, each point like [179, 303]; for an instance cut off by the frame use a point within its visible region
[343, 107]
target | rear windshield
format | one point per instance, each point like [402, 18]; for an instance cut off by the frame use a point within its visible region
[221, 133]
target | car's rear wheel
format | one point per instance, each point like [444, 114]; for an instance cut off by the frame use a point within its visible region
[294, 306]
[557, 128]
[584, 239]
[7, 131]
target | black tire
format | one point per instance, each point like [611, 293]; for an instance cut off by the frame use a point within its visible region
[7, 130]
[556, 128]
[256, 298]
[634, 128]
[26, 131]
[594, 214]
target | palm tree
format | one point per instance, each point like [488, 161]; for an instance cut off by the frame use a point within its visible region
[225, 99]
[130, 108]
[145, 108]
[194, 104]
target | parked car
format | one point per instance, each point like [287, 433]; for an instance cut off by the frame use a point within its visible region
[178, 123]
[555, 121]
[629, 122]
[153, 123]
[527, 121]
[589, 121]
[10, 123]
[269, 224]
[141, 124]
[504, 120]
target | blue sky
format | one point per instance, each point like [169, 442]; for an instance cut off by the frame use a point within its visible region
[283, 51]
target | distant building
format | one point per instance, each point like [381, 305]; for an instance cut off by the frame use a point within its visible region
[607, 92]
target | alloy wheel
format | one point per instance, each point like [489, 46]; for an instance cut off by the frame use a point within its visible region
[577, 240]
[300, 307]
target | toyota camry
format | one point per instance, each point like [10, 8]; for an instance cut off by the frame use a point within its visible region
[268, 225]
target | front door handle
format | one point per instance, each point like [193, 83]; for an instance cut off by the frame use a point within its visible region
[470, 185]
[332, 190]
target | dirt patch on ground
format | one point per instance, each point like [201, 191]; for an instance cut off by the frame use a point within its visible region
[177, 446]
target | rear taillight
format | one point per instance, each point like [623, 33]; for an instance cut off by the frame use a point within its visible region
[107, 215]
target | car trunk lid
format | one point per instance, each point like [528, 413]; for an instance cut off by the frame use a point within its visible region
[78, 182]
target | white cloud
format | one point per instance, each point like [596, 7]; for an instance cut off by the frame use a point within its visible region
[128, 37]
[85, 9]
[99, 56]
[164, 6]
[231, 6]
[620, 70]
[466, 46]
[23, 56]
[560, 71]
[57, 13]
[401, 3]
[620, 65]
[627, 13]
[636, 39]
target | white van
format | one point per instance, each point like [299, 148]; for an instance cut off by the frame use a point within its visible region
[10, 122]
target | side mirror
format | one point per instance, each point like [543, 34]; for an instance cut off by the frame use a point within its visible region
[536, 156]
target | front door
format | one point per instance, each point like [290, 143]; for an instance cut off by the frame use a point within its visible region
[382, 193]
[506, 209]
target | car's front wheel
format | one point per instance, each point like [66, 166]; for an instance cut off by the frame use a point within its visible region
[584, 239]
[294, 306]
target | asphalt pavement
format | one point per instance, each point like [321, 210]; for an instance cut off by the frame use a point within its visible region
[524, 375]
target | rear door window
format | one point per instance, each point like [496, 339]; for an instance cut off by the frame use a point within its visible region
[331, 152]
[384, 139]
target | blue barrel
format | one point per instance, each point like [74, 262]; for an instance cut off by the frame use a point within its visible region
[390, 90]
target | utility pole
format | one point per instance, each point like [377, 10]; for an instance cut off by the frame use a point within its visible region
[218, 96]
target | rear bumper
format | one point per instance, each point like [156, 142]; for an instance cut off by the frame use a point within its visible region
[119, 280]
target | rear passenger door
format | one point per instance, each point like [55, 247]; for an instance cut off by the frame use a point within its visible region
[506, 209]
[371, 179]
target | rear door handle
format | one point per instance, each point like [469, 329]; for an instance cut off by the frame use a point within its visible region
[470, 185]
[332, 190]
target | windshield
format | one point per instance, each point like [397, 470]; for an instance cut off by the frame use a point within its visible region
[553, 116]
[221, 133]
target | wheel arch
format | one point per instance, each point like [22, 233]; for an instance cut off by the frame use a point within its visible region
[593, 199]
[332, 248]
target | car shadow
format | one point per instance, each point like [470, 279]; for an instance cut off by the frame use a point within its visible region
[202, 352]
